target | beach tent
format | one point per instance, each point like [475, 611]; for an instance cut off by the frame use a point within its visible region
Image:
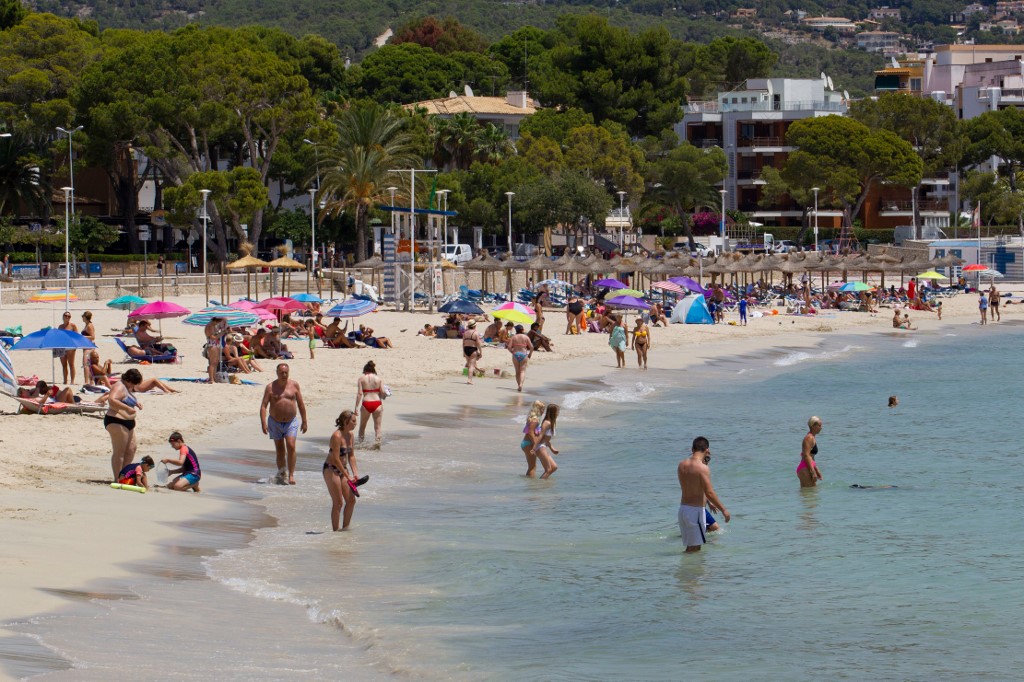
[692, 309]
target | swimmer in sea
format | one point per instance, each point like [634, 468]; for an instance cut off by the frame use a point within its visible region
[541, 439]
[807, 471]
[893, 401]
[697, 491]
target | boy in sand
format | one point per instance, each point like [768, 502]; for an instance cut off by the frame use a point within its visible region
[188, 465]
[695, 484]
[135, 473]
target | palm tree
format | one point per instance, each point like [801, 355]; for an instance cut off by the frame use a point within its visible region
[356, 170]
[456, 140]
[20, 181]
[493, 144]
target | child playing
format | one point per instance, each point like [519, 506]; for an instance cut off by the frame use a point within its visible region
[187, 462]
[135, 473]
[311, 333]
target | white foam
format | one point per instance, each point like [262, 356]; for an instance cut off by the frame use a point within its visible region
[912, 343]
[618, 394]
[803, 356]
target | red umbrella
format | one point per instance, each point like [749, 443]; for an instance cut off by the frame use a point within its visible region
[281, 303]
[976, 267]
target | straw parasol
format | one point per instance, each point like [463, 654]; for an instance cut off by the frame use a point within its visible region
[288, 264]
[484, 263]
[247, 262]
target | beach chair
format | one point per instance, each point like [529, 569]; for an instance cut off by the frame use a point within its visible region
[164, 357]
[33, 407]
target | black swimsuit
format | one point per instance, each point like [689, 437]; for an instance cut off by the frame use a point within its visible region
[342, 454]
[575, 307]
[110, 419]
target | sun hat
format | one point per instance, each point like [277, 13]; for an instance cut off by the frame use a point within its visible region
[472, 324]
[237, 338]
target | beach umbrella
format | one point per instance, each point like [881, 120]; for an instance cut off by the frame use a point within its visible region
[158, 310]
[625, 292]
[250, 307]
[669, 285]
[53, 339]
[611, 284]
[248, 263]
[554, 282]
[974, 267]
[932, 274]
[353, 307]
[628, 302]
[461, 307]
[281, 303]
[288, 264]
[8, 380]
[687, 283]
[231, 316]
[856, 286]
[515, 312]
[307, 298]
[51, 296]
[126, 302]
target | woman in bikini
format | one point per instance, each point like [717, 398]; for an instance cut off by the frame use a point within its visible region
[341, 472]
[574, 315]
[641, 342]
[521, 348]
[526, 445]
[473, 349]
[67, 356]
[214, 330]
[119, 421]
[89, 332]
[807, 471]
[370, 402]
[541, 438]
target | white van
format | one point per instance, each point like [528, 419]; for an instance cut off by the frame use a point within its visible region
[457, 253]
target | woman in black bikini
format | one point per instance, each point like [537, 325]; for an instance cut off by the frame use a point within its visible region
[122, 406]
[67, 355]
[473, 349]
[341, 472]
[574, 315]
[807, 471]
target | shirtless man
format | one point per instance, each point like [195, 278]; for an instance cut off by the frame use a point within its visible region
[283, 397]
[695, 483]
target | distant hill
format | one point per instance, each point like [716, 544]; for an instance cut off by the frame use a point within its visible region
[355, 24]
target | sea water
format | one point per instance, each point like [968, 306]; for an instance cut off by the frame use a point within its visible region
[458, 567]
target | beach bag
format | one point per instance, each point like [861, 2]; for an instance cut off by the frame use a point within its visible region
[385, 391]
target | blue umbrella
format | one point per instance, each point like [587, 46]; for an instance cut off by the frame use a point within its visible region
[307, 298]
[461, 306]
[126, 302]
[353, 307]
[53, 339]
[628, 302]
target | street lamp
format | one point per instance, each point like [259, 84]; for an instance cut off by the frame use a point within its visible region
[71, 200]
[510, 195]
[444, 234]
[206, 218]
[312, 237]
[721, 227]
[815, 190]
[68, 193]
[622, 216]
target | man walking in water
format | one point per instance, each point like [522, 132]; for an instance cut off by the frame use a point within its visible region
[283, 397]
[695, 483]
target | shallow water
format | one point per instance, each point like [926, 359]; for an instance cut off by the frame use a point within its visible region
[458, 567]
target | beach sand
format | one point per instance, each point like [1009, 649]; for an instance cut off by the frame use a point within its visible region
[63, 528]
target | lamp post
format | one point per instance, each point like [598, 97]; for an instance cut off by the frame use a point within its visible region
[815, 190]
[206, 218]
[70, 197]
[622, 216]
[68, 193]
[721, 226]
[312, 237]
[444, 234]
[510, 195]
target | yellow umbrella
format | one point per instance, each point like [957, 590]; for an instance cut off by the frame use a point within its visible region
[932, 274]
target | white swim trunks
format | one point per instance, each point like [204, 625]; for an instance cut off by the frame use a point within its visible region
[692, 525]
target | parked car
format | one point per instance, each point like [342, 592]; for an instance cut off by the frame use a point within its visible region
[699, 250]
[784, 246]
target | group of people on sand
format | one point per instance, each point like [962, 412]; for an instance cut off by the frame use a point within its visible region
[988, 305]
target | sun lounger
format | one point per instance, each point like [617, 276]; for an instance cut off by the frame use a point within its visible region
[164, 357]
[33, 406]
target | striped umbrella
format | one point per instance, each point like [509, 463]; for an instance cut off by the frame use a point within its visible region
[126, 302]
[353, 307]
[515, 312]
[8, 382]
[51, 296]
[669, 286]
[234, 318]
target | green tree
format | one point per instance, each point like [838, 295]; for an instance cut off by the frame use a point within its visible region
[569, 199]
[555, 123]
[89, 235]
[371, 143]
[606, 157]
[687, 178]
[998, 133]
[406, 73]
[724, 63]
[543, 153]
[237, 195]
[846, 159]
[21, 186]
[11, 13]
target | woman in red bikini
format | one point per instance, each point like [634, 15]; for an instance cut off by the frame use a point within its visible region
[370, 402]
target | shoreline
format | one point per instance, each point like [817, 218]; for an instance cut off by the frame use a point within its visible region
[31, 593]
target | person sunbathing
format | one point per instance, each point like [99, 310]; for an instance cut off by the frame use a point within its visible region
[428, 331]
[43, 394]
[101, 371]
[273, 347]
[365, 334]
[335, 336]
[150, 342]
[658, 315]
[136, 353]
[493, 331]
[237, 360]
[540, 342]
[506, 333]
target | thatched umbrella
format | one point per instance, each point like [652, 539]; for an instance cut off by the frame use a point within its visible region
[540, 263]
[288, 264]
[247, 262]
[483, 263]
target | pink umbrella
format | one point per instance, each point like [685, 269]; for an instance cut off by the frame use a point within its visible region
[281, 303]
[253, 308]
[158, 310]
[518, 307]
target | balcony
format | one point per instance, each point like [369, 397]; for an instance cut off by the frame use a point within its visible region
[799, 105]
[749, 177]
[889, 207]
[706, 143]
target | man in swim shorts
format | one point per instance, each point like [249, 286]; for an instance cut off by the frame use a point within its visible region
[283, 399]
[695, 484]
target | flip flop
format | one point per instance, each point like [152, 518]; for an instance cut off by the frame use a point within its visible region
[362, 480]
[355, 490]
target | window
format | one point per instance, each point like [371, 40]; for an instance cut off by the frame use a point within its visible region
[915, 84]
